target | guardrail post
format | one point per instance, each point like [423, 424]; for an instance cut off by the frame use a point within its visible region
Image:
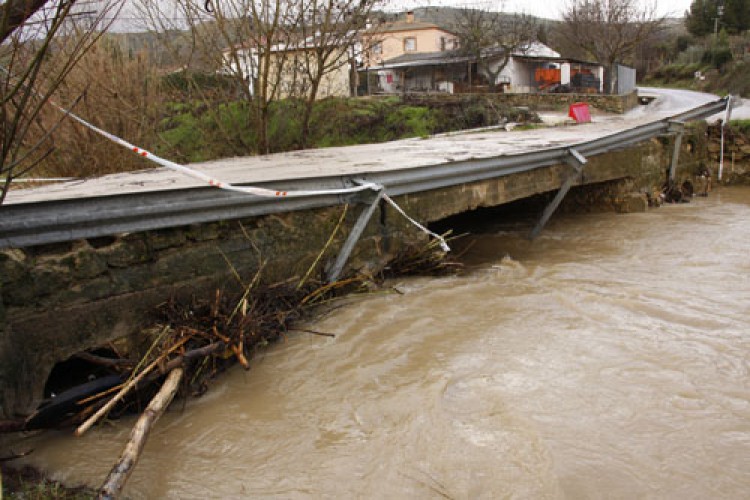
[575, 160]
[678, 128]
[364, 217]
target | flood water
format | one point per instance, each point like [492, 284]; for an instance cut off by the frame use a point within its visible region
[607, 359]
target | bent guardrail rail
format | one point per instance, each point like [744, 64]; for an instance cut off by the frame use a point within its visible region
[44, 222]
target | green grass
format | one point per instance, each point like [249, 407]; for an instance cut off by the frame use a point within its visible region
[28, 483]
[741, 125]
[194, 131]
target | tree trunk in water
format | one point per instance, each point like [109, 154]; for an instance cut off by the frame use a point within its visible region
[119, 474]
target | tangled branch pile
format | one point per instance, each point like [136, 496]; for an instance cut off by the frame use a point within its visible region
[202, 336]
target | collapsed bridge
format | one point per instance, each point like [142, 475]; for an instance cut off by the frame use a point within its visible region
[83, 261]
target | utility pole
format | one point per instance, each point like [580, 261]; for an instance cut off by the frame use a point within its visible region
[719, 13]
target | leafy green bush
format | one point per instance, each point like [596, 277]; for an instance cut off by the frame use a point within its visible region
[741, 125]
[196, 131]
[736, 79]
[676, 72]
[717, 56]
[186, 81]
[692, 54]
[411, 121]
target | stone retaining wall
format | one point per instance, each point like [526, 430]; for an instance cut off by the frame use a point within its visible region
[539, 102]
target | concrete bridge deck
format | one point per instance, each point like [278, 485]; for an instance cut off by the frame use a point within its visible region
[161, 198]
[364, 159]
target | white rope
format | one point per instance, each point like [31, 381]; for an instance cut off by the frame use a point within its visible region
[442, 241]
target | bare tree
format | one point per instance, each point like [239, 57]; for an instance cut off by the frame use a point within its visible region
[238, 38]
[331, 38]
[491, 37]
[15, 13]
[122, 94]
[41, 43]
[610, 30]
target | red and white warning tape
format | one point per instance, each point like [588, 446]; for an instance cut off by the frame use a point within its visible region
[257, 191]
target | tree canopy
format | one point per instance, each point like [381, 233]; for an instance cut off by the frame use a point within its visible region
[609, 30]
[491, 37]
[705, 16]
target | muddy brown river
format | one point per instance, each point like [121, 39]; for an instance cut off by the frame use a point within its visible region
[607, 359]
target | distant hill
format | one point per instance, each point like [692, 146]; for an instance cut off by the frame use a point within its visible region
[442, 16]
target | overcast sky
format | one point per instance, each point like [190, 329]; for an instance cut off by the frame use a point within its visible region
[542, 8]
[551, 9]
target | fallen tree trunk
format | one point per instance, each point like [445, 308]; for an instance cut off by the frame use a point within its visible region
[112, 486]
[81, 430]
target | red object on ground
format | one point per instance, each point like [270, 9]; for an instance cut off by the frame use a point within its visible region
[579, 111]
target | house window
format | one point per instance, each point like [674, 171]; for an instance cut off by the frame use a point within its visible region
[443, 44]
[377, 48]
[410, 44]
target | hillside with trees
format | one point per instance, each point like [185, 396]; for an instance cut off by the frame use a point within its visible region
[709, 50]
[707, 17]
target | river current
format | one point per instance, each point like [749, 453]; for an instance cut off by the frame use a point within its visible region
[609, 358]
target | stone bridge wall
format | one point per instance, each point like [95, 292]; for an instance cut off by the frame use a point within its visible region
[61, 299]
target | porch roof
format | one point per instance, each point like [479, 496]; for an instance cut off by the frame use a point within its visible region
[443, 58]
[440, 58]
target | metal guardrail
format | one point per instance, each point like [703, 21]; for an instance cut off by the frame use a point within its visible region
[57, 221]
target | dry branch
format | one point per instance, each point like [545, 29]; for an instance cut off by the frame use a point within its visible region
[102, 361]
[313, 332]
[127, 387]
[119, 474]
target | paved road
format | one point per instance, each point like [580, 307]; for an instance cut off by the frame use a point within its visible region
[359, 160]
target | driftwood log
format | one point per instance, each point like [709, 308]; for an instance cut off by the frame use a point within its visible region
[112, 486]
[81, 430]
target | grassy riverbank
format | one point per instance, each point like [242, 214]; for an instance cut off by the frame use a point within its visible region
[28, 483]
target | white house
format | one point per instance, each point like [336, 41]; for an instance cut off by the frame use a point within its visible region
[533, 68]
[241, 60]
[288, 61]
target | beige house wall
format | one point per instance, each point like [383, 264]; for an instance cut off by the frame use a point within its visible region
[392, 43]
[294, 82]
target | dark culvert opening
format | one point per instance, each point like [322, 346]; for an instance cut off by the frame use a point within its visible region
[75, 384]
[75, 371]
[519, 215]
[522, 215]
[481, 236]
